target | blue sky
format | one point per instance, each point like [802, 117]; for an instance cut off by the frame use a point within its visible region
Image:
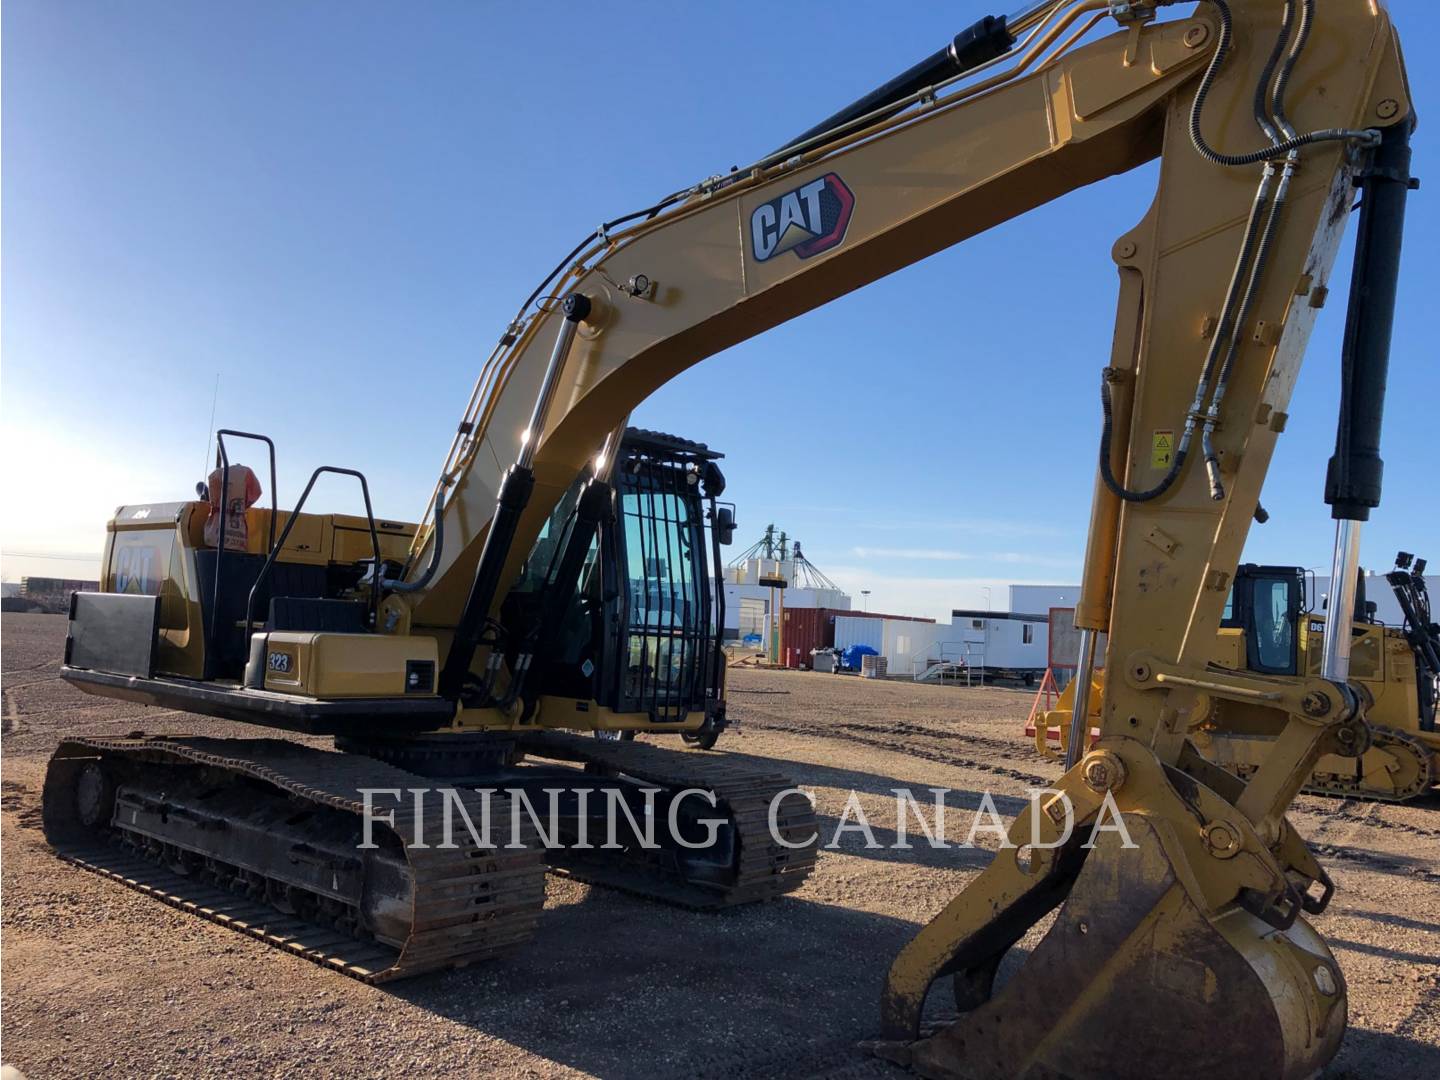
[337, 206]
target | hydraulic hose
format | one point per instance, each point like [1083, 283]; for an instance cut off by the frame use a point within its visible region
[1262, 88]
[1107, 433]
[1242, 314]
[1202, 389]
[399, 586]
[1277, 97]
[1269, 111]
[1254, 157]
[1282, 123]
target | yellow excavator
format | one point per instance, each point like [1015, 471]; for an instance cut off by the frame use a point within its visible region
[1181, 948]
[1269, 628]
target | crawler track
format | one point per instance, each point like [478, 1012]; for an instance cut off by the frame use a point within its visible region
[764, 867]
[463, 904]
[1414, 777]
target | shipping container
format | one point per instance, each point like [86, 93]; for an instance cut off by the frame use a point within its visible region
[807, 629]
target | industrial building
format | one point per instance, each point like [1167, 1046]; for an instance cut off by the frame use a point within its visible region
[769, 576]
[811, 613]
[1377, 591]
[750, 604]
[45, 593]
[777, 599]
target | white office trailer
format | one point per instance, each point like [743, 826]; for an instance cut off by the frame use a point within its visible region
[859, 630]
[895, 637]
[1006, 644]
[977, 645]
[912, 648]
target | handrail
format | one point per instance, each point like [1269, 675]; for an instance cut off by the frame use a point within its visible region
[223, 460]
[290, 522]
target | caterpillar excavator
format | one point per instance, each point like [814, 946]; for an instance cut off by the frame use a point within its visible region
[1183, 947]
[1269, 627]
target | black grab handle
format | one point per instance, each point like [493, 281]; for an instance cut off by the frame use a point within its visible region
[290, 522]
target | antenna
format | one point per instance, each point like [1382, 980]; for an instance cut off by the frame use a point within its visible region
[210, 431]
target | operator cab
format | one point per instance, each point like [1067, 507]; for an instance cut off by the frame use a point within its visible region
[1265, 604]
[1281, 635]
[638, 632]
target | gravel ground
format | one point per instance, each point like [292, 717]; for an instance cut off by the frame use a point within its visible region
[98, 978]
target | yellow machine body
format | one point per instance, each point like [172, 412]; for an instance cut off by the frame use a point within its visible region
[153, 549]
[1239, 734]
[323, 665]
[1193, 938]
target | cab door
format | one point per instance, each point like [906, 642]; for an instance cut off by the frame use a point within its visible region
[1266, 603]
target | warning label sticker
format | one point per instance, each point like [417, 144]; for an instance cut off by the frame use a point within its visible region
[1162, 449]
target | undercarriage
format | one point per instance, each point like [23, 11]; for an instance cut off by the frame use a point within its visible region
[382, 872]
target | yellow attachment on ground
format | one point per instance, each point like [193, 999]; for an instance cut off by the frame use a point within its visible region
[1053, 725]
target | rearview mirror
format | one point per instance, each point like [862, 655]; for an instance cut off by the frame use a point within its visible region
[725, 525]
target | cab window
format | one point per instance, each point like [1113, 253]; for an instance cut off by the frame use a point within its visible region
[1273, 629]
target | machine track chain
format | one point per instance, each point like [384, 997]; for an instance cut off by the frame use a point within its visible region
[765, 868]
[468, 903]
[1414, 753]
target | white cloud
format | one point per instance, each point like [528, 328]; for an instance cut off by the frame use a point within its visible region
[910, 553]
[1019, 558]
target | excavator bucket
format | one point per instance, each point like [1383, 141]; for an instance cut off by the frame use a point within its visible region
[1178, 950]
[1134, 979]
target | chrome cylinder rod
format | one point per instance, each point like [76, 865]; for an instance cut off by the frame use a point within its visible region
[610, 451]
[575, 308]
[1080, 716]
[1344, 572]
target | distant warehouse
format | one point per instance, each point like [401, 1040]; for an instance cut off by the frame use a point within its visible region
[48, 594]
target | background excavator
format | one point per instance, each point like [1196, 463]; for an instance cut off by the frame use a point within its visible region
[1269, 628]
[1185, 919]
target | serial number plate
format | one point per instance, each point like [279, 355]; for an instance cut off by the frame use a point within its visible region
[278, 661]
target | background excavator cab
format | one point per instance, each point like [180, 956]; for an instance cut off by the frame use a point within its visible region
[1265, 605]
